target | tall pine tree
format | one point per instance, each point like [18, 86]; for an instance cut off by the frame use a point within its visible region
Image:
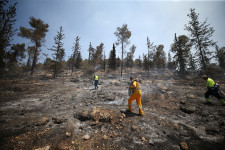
[36, 35]
[220, 56]
[7, 21]
[76, 57]
[200, 34]
[150, 56]
[112, 58]
[59, 51]
[181, 48]
[123, 35]
[160, 57]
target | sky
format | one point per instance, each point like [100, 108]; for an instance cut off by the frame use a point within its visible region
[96, 21]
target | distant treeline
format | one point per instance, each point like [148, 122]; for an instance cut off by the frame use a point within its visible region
[184, 60]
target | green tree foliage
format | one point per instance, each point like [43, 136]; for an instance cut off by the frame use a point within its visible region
[160, 57]
[7, 21]
[138, 62]
[59, 51]
[220, 56]
[123, 35]
[17, 53]
[49, 64]
[151, 52]
[130, 56]
[181, 49]
[76, 58]
[14, 56]
[200, 34]
[112, 58]
[36, 35]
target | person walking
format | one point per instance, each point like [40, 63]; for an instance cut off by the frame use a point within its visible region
[135, 94]
[96, 81]
[212, 89]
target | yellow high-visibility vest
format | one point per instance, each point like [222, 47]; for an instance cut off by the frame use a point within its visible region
[210, 82]
[96, 77]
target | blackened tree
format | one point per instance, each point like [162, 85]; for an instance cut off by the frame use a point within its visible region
[145, 62]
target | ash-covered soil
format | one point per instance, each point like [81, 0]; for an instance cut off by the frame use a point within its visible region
[67, 113]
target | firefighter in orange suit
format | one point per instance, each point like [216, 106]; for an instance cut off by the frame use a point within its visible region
[135, 94]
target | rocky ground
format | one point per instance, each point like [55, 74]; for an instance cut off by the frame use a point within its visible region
[41, 113]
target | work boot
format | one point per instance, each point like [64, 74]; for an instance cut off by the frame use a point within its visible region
[128, 111]
[140, 111]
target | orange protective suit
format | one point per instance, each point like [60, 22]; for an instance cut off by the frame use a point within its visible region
[136, 95]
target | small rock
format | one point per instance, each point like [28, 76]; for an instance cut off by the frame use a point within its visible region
[68, 134]
[175, 126]
[188, 109]
[123, 115]
[113, 134]
[164, 88]
[105, 137]
[58, 120]
[134, 127]
[62, 146]
[143, 139]
[43, 148]
[182, 102]
[190, 96]
[42, 121]
[183, 146]
[151, 142]
[86, 137]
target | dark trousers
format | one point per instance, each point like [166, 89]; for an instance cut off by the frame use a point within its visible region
[213, 91]
[96, 84]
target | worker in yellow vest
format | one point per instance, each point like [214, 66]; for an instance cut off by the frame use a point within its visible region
[212, 89]
[136, 94]
[96, 81]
